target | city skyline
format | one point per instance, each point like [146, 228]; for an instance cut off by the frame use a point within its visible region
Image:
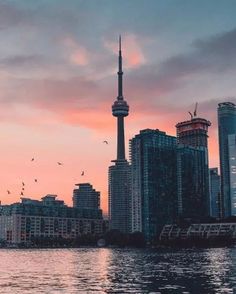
[57, 85]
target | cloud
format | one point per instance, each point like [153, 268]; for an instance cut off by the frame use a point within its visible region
[20, 61]
[132, 52]
[77, 54]
[13, 16]
[215, 56]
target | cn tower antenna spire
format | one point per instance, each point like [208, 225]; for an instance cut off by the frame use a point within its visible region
[120, 74]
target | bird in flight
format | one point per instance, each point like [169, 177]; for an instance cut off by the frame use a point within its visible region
[23, 183]
[59, 163]
[105, 142]
[82, 174]
[36, 181]
[32, 159]
[8, 192]
[23, 189]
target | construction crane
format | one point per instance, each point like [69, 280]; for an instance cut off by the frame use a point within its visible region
[195, 110]
[191, 114]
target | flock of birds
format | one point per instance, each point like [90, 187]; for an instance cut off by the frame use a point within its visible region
[36, 180]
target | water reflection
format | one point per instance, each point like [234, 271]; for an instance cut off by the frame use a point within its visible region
[118, 271]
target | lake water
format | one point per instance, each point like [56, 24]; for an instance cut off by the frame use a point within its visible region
[118, 271]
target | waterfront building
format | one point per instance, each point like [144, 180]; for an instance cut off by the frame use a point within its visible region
[199, 231]
[193, 185]
[119, 176]
[226, 127]
[85, 196]
[232, 172]
[23, 222]
[192, 168]
[215, 193]
[154, 182]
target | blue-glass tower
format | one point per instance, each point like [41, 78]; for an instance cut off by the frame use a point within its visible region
[226, 127]
[215, 193]
[154, 182]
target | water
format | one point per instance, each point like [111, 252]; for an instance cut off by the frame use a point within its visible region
[54, 271]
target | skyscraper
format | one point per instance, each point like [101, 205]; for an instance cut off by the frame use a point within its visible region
[192, 168]
[154, 181]
[119, 174]
[232, 172]
[215, 193]
[86, 197]
[193, 183]
[226, 127]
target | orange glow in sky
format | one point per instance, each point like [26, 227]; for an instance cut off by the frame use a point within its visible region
[58, 66]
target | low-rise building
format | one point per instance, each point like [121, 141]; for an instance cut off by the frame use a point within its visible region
[23, 222]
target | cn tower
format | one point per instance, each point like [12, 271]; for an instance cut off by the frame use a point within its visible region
[120, 109]
[119, 176]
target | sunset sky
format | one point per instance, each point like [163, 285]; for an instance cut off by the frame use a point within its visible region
[58, 64]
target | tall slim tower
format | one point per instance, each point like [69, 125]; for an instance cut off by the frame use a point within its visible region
[120, 173]
[120, 109]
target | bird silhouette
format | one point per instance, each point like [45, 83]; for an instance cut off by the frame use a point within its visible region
[105, 142]
[23, 183]
[36, 181]
[23, 189]
[32, 159]
[22, 194]
[59, 163]
[82, 174]
[8, 192]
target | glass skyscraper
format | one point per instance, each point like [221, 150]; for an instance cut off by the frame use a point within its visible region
[154, 181]
[232, 172]
[215, 193]
[192, 168]
[226, 127]
[193, 182]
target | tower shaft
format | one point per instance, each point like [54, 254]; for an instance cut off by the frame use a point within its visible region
[120, 138]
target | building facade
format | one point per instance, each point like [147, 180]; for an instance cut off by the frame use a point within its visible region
[193, 182]
[119, 180]
[193, 132]
[154, 181]
[119, 174]
[215, 194]
[232, 172]
[30, 219]
[226, 127]
[85, 196]
[192, 169]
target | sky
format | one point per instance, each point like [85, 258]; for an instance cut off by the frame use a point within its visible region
[58, 65]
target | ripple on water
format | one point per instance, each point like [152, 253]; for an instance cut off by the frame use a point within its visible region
[118, 271]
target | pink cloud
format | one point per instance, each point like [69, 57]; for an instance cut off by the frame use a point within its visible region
[132, 52]
[77, 54]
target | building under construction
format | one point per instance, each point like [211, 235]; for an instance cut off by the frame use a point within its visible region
[193, 132]
[192, 168]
